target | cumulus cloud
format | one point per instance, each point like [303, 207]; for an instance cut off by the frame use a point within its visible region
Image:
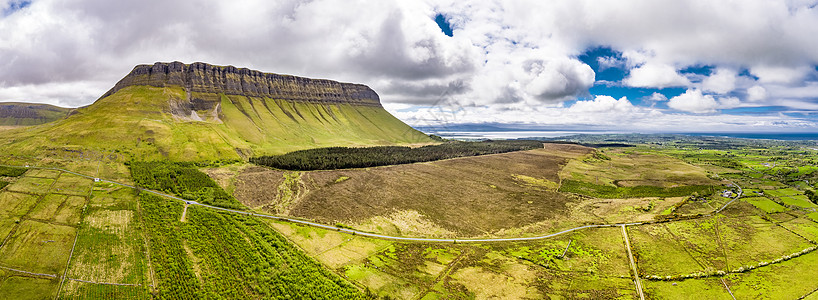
[721, 82]
[729, 102]
[603, 104]
[756, 93]
[607, 62]
[504, 56]
[694, 101]
[655, 76]
[557, 80]
[657, 97]
[781, 74]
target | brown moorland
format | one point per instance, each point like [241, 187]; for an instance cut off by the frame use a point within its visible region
[468, 196]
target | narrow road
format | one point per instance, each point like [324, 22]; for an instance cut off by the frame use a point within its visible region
[728, 288]
[740, 193]
[362, 233]
[636, 279]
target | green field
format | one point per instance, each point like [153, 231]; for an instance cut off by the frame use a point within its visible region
[38, 247]
[765, 204]
[16, 204]
[755, 246]
[59, 208]
[614, 192]
[21, 287]
[31, 185]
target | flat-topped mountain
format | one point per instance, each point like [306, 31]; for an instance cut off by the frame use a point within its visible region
[25, 114]
[205, 78]
[205, 112]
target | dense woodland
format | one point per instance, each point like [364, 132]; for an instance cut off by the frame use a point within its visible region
[226, 256]
[343, 157]
[182, 179]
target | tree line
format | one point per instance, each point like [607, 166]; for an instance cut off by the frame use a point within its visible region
[346, 157]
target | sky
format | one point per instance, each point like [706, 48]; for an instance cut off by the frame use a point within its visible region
[629, 65]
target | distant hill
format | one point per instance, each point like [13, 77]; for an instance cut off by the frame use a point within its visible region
[204, 112]
[25, 114]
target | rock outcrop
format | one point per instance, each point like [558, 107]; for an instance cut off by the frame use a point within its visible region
[204, 81]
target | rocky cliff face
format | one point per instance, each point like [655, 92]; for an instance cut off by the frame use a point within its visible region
[203, 81]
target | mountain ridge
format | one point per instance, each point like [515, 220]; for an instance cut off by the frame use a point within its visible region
[202, 112]
[27, 114]
[201, 77]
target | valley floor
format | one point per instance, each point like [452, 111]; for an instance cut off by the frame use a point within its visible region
[71, 237]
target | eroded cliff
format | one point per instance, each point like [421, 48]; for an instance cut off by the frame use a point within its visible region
[204, 81]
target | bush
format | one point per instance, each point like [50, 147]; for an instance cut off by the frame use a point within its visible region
[12, 171]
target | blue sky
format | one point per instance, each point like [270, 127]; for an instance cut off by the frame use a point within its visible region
[629, 65]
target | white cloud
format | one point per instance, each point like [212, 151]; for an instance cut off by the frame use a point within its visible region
[639, 120]
[557, 80]
[756, 93]
[781, 74]
[657, 97]
[729, 102]
[655, 76]
[505, 57]
[605, 104]
[722, 81]
[607, 62]
[694, 101]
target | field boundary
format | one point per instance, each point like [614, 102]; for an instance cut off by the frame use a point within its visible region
[375, 235]
[105, 283]
[29, 273]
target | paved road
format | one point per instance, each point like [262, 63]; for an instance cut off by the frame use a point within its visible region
[362, 233]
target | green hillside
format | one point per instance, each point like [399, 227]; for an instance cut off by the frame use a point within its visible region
[141, 122]
[26, 114]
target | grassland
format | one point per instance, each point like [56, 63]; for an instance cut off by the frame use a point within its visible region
[765, 204]
[136, 123]
[754, 247]
[496, 195]
[22, 287]
[472, 196]
[38, 247]
[627, 167]
[41, 221]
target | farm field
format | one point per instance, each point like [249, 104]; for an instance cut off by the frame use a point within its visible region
[129, 245]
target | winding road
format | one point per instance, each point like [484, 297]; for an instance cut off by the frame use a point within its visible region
[369, 234]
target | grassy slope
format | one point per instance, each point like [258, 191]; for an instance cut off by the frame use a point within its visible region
[26, 114]
[134, 121]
